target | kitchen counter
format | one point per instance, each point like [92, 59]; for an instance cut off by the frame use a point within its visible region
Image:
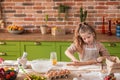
[49, 37]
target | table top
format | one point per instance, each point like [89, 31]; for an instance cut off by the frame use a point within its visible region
[88, 72]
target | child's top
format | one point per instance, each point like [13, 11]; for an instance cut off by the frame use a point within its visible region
[89, 53]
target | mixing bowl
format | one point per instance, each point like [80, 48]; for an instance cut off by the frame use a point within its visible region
[41, 66]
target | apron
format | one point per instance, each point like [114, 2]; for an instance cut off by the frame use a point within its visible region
[90, 53]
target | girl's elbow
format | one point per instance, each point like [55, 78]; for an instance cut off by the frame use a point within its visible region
[67, 52]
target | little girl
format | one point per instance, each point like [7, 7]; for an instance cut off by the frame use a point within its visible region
[85, 43]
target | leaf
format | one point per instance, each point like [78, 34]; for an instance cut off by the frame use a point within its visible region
[83, 15]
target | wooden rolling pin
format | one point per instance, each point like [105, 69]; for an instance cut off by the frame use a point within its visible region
[80, 63]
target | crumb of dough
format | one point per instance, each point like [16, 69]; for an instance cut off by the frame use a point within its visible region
[103, 71]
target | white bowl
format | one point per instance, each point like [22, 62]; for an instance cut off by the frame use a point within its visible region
[15, 31]
[41, 66]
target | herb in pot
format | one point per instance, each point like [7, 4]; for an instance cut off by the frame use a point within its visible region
[83, 14]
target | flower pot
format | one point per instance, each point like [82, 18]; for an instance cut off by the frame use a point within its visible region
[43, 29]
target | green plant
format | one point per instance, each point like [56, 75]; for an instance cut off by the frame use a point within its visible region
[46, 20]
[63, 9]
[83, 14]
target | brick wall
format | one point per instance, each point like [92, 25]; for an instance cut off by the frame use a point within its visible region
[31, 13]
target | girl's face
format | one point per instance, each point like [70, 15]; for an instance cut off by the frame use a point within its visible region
[88, 38]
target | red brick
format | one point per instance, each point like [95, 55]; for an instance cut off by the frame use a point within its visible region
[35, 11]
[112, 3]
[17, 0]
[29, 19]
[101, 7]
[19, 7]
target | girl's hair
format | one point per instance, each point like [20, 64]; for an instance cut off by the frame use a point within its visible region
[82, 28]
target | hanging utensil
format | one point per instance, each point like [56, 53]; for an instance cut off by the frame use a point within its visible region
[109, 28]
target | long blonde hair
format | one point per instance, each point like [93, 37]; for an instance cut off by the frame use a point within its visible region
[82, 28]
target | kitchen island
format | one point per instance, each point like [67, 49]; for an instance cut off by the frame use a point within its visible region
[87, 72]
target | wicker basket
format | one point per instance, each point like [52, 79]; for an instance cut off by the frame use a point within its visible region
[113, 64]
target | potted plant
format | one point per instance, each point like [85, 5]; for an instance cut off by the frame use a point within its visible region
[83, 14]
[43, 28]
[63, 9]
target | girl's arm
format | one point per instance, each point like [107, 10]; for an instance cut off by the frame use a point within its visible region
[70, 52]
[71, 56]
[103, 51]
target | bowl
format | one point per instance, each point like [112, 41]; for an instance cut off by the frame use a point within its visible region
[8, 73]
[41, 66]
[15, 31]
[12, 74]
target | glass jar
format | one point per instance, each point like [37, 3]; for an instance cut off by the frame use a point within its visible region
[53, 58]
[118, 30]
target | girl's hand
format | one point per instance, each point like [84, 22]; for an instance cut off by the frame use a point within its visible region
[100, 59]
[75, 60]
